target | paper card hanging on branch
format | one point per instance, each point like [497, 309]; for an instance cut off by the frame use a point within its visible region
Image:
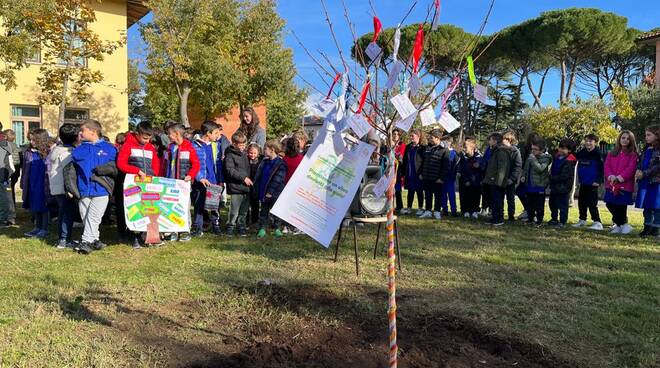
[448, 122]
[406, 124]
[403, 105]
[359, 125]
[427, 116]
[326, 105]
[395, 70]
[397, 43]
[374, 52]
[436, 16]
[382, 185]
[414, 84]
[481, 94]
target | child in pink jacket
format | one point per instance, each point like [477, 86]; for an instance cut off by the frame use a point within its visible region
[620, 167]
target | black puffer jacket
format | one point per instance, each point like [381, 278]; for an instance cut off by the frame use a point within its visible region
[237, 168]
[436, 163]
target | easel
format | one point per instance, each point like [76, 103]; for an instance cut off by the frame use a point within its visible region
[368, 220]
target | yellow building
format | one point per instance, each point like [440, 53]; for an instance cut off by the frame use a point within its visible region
[108, 101]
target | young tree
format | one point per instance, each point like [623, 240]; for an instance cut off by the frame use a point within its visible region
[137, 110]
[18, 37]
[69, 44]
[191, 48]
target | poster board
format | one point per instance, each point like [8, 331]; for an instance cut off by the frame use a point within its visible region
[156, 201]
[319, 193]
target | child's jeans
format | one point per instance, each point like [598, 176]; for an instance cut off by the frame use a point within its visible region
[198, 195]
[497, 203]
[66, 207]
[265, 218]
[652, 217]
[4, 202]
[535, 206]
[588, 200]
[238, 210]
[559, 207]
[41, 220]
[91, 212]
[449, 194]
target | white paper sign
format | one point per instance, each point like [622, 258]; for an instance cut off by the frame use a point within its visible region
[397, 43]
[448, 122]
[374, 52]
[427, 116]
[326, 105]
[319, 193]
[382, 185]
[359, 124]
[395, 69]
[403, 105]
[481, 94]
[414, 84]
[406, 124]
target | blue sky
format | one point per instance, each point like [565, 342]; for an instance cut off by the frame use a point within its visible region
[306, 19]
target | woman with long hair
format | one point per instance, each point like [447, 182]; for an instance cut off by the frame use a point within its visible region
[250, 127]
[648, 176]
[35, 184]
[620, 166]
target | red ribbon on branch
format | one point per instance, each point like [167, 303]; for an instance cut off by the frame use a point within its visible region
[334, 82]
[378, 27]
[363, 95]
[418, 48]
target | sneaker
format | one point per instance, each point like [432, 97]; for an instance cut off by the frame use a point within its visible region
[553, 223]
[196, 233]
[580, 223]
[242, 233]
[483, 213]
[437, 215]
[475, 215]
[261, 233]
[626, 229]
[168, 237]
[230, 231]
[217, 230]
[32, 233]
[278, 233]
[561, 225]
[426, 214]
[285, 230]
[297, 232]
[62, 244]
[84, 248]
[98, 245]
[466, 215]
[405, 211]
[597, 226]
[184, 237]
[136, 244]
[419, 212]
[616, 229]
[41, 234]
[497, 223]
[523, 216]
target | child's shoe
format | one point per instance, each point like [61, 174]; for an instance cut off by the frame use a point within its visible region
[475, 215]
[136, 243]
[285, 230]
[262, 233]
[278, 233]
[405, 211]
[419, 212]
[84, 248]
[616, 229]
[32, 233]
[196, 232]
[426, 214]
[62, 244]
[230, 231]
[580, 223]
[437, 215]
[242, 232]
[41, 234]
[523, 216]
[184, 237]
[466, 215]
[596, 226]
[626, 229]
[98, 245]
[553, 223]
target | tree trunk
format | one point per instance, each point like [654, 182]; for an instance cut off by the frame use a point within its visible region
[563, 82]
[65, 87]
[183, 106]
[516, 102]
[571, 82]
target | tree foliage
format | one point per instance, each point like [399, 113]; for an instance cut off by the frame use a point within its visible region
[646, 104]
[18, 38]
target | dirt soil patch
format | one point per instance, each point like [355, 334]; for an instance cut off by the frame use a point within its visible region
[359, 340]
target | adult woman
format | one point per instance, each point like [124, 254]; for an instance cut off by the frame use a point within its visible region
[620, 167]
[250, 127]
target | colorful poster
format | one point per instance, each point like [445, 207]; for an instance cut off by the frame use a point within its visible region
[318, 196]
[156, 201]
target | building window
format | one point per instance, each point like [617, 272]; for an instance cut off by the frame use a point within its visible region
[76, 116]
[72, 37]
[24, 119]
[36, 57]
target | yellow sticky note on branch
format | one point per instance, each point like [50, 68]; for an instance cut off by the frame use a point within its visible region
[473, 79]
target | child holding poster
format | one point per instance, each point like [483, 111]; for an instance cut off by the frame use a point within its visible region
[210, 173]
[270, 179]
[92, 153]
[237, 179]
[182, 160]
[136, 156]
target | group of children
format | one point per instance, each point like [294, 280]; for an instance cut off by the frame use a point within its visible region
[81, 172]
[504, 171]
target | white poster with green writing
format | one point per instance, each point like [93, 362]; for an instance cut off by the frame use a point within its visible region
[321, 190]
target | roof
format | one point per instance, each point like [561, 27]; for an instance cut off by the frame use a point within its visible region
[135, 10]
[649, 37]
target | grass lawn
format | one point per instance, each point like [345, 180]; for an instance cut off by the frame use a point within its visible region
[469, 296]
